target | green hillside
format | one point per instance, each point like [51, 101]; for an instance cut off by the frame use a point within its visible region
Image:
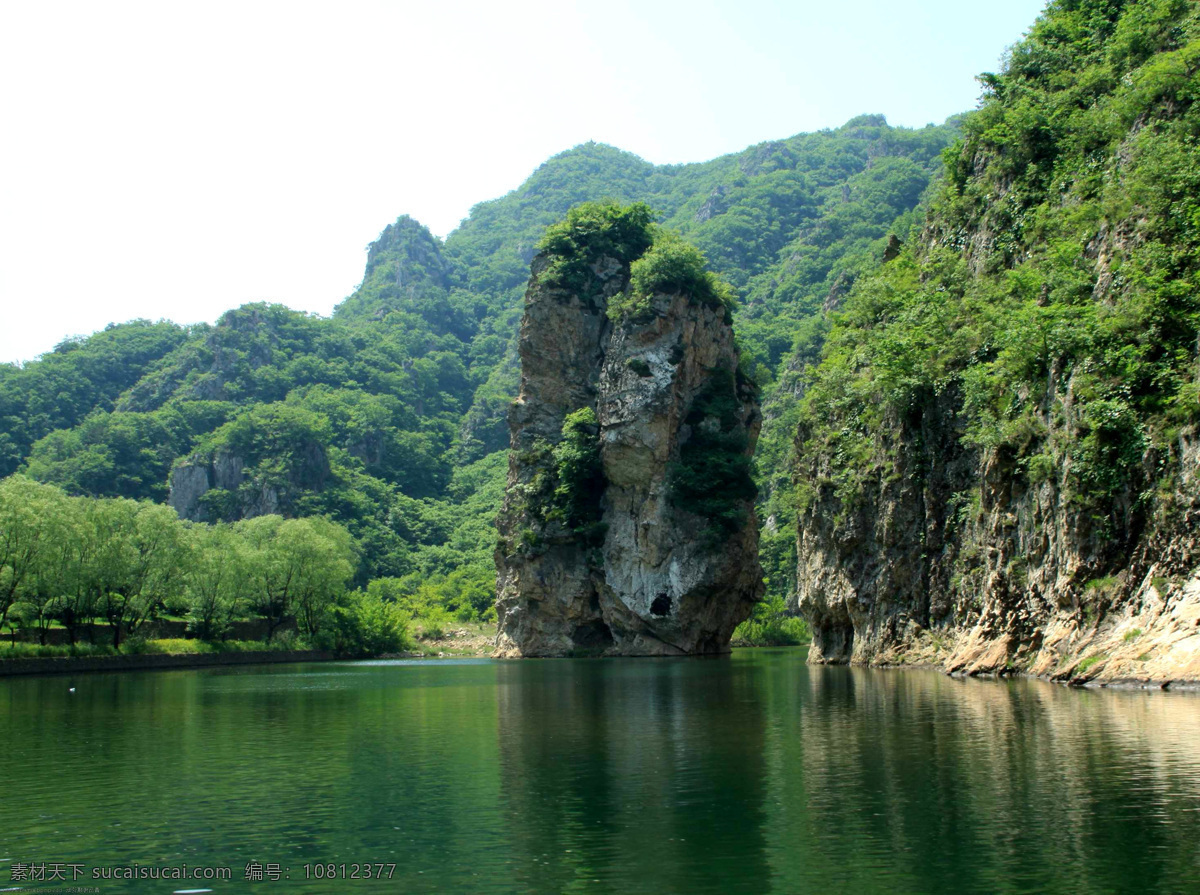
[1064, 245]
[389, 417]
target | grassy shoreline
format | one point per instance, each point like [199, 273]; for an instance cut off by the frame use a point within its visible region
[162, 647]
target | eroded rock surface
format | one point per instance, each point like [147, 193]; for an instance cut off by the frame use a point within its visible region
[646, 574]
[1017, 585]
[245, 493]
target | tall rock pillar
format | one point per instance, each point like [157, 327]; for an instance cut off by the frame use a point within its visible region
[628, 527]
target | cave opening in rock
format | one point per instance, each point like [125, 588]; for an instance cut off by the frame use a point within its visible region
[661, 605]
[595, 635]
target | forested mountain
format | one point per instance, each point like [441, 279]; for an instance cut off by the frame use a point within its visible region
[59, 390]
[975, 342]
[998, 451]
[389, 417]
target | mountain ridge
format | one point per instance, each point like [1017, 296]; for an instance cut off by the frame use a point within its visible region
[404, 389]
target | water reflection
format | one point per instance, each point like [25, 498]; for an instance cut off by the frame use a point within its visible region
[643, 775]
[289, 766]
[745, 774]
[970, 785]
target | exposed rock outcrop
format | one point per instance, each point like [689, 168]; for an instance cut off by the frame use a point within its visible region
[643, 570]
[196, 476]
[914, 572]
[236, 490]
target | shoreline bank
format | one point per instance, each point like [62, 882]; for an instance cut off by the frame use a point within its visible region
[153, 661]
[1175, 685]
[158, 661]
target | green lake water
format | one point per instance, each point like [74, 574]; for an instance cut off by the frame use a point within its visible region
[750, 773]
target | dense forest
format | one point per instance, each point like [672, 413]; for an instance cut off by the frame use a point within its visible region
[389, 418]
[1061, 245]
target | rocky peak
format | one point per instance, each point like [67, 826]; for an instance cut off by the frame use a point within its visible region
[628, 527]
[406, 246]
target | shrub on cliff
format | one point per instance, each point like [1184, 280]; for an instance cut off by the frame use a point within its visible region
[673, 265]
[591, 231]
[579, 470]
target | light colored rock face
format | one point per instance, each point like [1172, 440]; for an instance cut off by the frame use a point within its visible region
[188, 484]
[1022, 584]
[199, 473]
[653, 580]
[192, 479]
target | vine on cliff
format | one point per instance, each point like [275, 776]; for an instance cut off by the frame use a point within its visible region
[579, 472]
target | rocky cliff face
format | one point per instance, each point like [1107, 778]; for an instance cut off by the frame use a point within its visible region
[950, 557]
[633, 564]
[222, 485]
[1000, 458]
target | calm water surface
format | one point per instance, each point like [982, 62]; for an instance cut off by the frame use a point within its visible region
[753, 773]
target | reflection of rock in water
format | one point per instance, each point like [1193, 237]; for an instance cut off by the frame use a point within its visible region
[644, 775]
[912, 764]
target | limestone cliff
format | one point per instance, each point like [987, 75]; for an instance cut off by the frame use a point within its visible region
[999, 460]
[226, 484]
[951, 557]
[634, 562]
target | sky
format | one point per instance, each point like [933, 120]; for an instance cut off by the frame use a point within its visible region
[174, 160]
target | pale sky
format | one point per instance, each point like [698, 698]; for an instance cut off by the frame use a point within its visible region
[176, 159]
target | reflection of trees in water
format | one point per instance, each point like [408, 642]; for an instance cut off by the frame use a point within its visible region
[747, 774]
[218, 767]
[423, 776]
[913, 781]
[645, 774]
